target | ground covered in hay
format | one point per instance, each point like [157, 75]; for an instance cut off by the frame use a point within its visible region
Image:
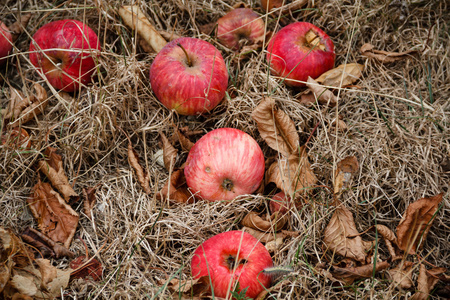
[397, 126]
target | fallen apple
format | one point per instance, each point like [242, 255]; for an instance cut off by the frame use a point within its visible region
[224, 164]
[65, 52]
[231, 258]
[5, 42]
[280, 203]
[298, 51]
[238, 25]
[189, 75]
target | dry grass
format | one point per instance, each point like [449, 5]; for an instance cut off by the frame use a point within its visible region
[398, 128]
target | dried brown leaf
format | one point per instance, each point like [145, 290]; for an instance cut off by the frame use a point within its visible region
[401, 275]
[208, 29]
[294, 5]
[16, 138]
[185, 143]
[340, 124]
[89, 200]
[416, 222]
[194, 287]
[22, 109]
[5, 273]
[385, 56]
[348, 73]
[168, 36]
[307, 98]
[134, 18]
[52, 167]
[54, 216]
[426, 281]
[252, 220]
[322, 94]
[344, 172]
[349, 274]
[263, 237]
[176, 188]
[18, 27]
[342, 237]
[45, 244]
[276, 127]
[83, 267]
[141, 174]
[169, 153]
[293, 175]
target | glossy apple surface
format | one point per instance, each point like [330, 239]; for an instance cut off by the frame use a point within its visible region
[191, 82]
[294, 53]
[231, 257]
[239, 24]
[224, 164]
[5, 42]
[65, 52]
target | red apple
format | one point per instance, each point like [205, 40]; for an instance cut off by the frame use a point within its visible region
[280, 203]
[224, 164]
[5, 42]
[238, 24]
[298, 51]
[65, 52]
[189, 75]
[233, 257]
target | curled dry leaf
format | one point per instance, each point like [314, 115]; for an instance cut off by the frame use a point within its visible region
[307, 98]
[18, 27]
[54, 216]
[191, 287]
[134, 18]
[52, 167]
[385, 56]
[22, 109]
[89, 200]
[416, 222]
[141, 173]
[322, 94]
[168, 36]
[289, 6]
[169, 153]
[401, 275]
[349, 274]
[276, 127]
[274, 245]
[342, 237]
[426, 281]
[185, 143]
[83, 267]
[340, 126]
[252, 220]
[263, 237]
[16, 138]
[293, 175]
[45, 245]
[344, 172]
[347, 73]
[176, 188]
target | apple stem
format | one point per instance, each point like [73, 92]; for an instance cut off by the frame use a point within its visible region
[189, 62]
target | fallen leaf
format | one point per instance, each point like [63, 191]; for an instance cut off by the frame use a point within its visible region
[385, 56]
[307, 98]
[274, 245]
[426, 281]
[16, 138]
[83, 267]
[176, 188]
[294, 5]
[276, 127]
[22, 109]
[193, 287]
[344, 172]
[168, 36]
[208, 29]
[54, 216]
[12, 248]
[52, 167]
[134, 18]
[349, 274]
[253, 220]
[23, 284]
[89, 201]
[18, 27]
[263, 237]
[416, 222]
[293, 175]
[169, 153]
[185, 143]
[401, 275]
[5, 274]
[45, 245]
[340, 124]
[141, 174]
[347, 73]
[322, 94]
[341, 236]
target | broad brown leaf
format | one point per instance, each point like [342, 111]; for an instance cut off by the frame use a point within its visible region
[263, 237]
[54, 216]
[22, 109]
[276, 127]
[83, 267]
[134, 18]
[89, 200]
[349, 274]
[185, 143]
[344, 172]
[416, 222]
[18, 27]
[322, 94]
[253, 220]
[141, 173]
[194, 287]
[348, 73]
[45, 245]
[342, 237]
[385, 56]
[16, 138]
[294, 5]
[426, 281]
[52, 167]
[401, 275]
[176, 188]
[169, 153]
[293, 175]
[5, 273]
